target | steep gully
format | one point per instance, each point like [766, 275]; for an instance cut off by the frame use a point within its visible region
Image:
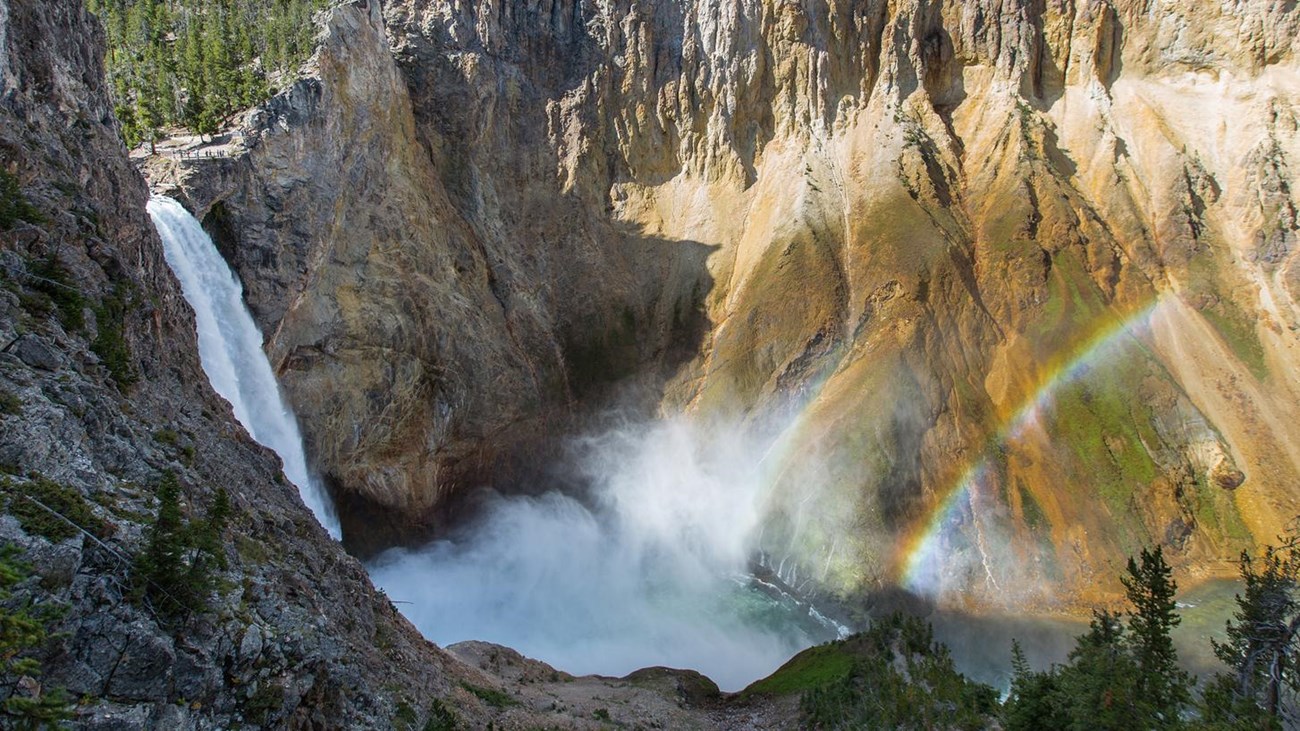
[650, 571]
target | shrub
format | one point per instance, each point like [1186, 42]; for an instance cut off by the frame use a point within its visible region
[13, 204]
[52, 279]
[490, 696]
[442, 718]
[174, 574]
[898, 677]
[110, 342]
[31, 503]
[24, 629]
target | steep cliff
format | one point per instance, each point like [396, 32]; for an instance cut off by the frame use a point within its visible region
[102, 397]
[1022, 273]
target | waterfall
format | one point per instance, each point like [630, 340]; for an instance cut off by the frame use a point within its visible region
[230, 348]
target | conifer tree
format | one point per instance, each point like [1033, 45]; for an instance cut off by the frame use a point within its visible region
[1263, 639]
[1161, 684]
[194, 63]
[23, 630]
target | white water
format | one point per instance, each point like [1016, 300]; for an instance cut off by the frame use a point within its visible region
[651, 570]
[230, 348]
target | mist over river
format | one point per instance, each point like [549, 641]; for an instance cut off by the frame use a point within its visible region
[648, 566]
[651, 569]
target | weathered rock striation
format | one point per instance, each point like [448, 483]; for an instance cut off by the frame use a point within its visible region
[1025, 271]
[102, 394]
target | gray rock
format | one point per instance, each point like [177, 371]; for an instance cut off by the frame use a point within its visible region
[144, 668]
[250, 647]
[36, 353]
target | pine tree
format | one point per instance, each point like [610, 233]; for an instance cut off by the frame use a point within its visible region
[174, 573]
[23, 631]
[1262, 637]
[1099, 685]
[161, 568]
[1161, 684]
[195, 62]
[1035, 701]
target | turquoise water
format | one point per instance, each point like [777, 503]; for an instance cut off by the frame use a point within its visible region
[981, 644]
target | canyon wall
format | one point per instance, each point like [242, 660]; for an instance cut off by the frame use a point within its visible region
[1021, 275]
[102, 400]
[102, 397]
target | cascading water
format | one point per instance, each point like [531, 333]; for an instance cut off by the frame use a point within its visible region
[651, 570]
[230, 348]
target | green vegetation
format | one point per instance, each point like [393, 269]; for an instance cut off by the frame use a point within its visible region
[192, 63]
[1259, 691]
[490, 696]
[110, 341]
[1122, 674]
[898, 678]
[812, 668]
[1033, 513]
[442, 718]
[10, 405]
[1214, 302]
[894, 676]
[52, 279]
[268, 699]
[1238, 332]
[1119, 675]
[24, 629]
[174, 574]
[47, 508]
[13, 204]
[404, 718]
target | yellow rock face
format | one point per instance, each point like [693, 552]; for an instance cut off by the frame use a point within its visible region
[1030, 278]
[1025, 276]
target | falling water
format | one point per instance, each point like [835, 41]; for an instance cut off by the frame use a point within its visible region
[230, 348]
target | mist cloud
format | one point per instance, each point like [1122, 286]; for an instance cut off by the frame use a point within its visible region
[649, 569]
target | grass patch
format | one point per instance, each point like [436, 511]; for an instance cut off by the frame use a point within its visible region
[1238, 334]
[1230, 321]
[21, 502]
[110, 342]
[898, 677]
[811, 668]
[1097, 420]
[13, 204]
[490, 696]
[1216, 511]
[10, 405]
[1030, 510]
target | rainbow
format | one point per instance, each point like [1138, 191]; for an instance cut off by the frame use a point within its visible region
[919, 554]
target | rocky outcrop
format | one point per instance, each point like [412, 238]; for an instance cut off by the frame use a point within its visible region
[102, 395]
[1025, 271]
[422, 352]
[290, 639]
